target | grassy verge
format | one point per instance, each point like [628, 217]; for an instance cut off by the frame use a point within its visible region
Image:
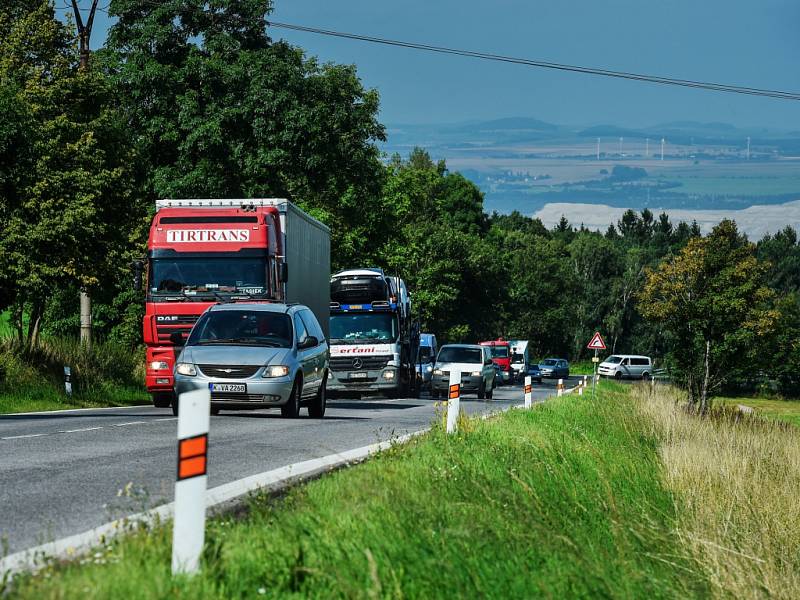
[32, 379]
[782, 410]
[735, 478]
[564, 500]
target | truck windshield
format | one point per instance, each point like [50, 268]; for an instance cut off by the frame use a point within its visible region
[517, 359]
[351, 327]
[499, 351]
[223, 274]
[242, 327]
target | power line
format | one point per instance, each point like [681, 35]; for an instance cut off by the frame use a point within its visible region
[705, 85]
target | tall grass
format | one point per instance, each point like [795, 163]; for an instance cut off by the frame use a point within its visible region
[32, 377]
[562, 501]
[736, 480]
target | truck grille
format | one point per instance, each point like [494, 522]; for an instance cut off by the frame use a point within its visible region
[181, 323]
[222, 371]
[348, 363]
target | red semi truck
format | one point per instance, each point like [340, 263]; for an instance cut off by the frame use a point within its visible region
[501, 356]
[202, 252]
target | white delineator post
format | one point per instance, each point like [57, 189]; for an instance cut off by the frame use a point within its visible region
[453, 401]
[560, 387]
[190, 487]
[528, 392]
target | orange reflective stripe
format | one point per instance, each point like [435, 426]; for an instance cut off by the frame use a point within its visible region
[192, 456]
[193, 446]
[528, 389]
[192, 467]
[454, 390]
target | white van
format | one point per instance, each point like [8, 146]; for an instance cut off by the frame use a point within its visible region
[627, 366]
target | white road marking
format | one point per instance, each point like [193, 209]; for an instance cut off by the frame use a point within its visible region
[79, 430]
[73, 410]
[131, 423]
[19, 437]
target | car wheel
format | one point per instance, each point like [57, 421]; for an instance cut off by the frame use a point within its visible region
[646, 376]
[291, 410]
[618, 375]
[316, 409]
[482, 390]
[163, 399]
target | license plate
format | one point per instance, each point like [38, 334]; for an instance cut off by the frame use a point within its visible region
[232, 388]
[361, 375]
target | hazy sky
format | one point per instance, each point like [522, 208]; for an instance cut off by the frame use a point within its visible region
[741, 42]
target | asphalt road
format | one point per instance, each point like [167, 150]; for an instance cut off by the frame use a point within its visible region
[66, 472]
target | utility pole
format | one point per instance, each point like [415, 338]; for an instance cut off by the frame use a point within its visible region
[84, 37]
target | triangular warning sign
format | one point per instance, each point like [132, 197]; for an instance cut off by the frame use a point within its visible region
[597, 342]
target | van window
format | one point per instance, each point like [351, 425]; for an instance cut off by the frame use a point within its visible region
[300, 327]
[312, 325]
[626, 361]
[642, 362]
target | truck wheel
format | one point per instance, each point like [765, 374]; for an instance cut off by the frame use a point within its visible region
[316, 410]
[163, 399]
[291, 410]
[482, 390]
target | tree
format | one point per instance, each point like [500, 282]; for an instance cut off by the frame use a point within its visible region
[711, 300]
[63, 222]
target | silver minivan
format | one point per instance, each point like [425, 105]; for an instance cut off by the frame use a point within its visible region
[626, 366]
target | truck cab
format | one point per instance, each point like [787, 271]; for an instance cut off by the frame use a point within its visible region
[500, 351]
[373, 338]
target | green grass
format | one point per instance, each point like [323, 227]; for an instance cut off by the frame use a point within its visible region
[584, 367]
[782, 410]
[32, 378]
[561, 501]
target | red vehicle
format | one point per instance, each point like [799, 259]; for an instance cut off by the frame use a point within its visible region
[501, 356]
[202, 252]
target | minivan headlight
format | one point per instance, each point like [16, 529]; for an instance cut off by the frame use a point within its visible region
[437, 371]
[186, 369]
[276, 371]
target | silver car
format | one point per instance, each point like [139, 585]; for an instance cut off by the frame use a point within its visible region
[475, 364]
[256, 356]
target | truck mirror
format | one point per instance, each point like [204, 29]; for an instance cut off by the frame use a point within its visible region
[176, 337]
[138, 269]
[283, 273]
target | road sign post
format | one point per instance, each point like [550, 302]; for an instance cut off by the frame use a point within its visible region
[453, 400]
[188, 532]
[595, 344]
[528, 392]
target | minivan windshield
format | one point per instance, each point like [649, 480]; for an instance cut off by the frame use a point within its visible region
[243, 328]
[460, 355]
[614, 360]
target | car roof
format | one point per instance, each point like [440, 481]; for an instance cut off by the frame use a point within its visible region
[629, 356]
[274, 307]
[553, 358]
[474, 346]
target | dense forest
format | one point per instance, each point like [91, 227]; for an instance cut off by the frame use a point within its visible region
[188, 101]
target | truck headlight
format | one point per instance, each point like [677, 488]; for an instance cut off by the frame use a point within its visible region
[437, 371]
[276, 371]
[428, 369]
[159, 365]
[476, 373]
[186, 369]
[388, 374]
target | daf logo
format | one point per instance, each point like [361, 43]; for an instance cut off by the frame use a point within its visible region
[167, 318]
[357, 363]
